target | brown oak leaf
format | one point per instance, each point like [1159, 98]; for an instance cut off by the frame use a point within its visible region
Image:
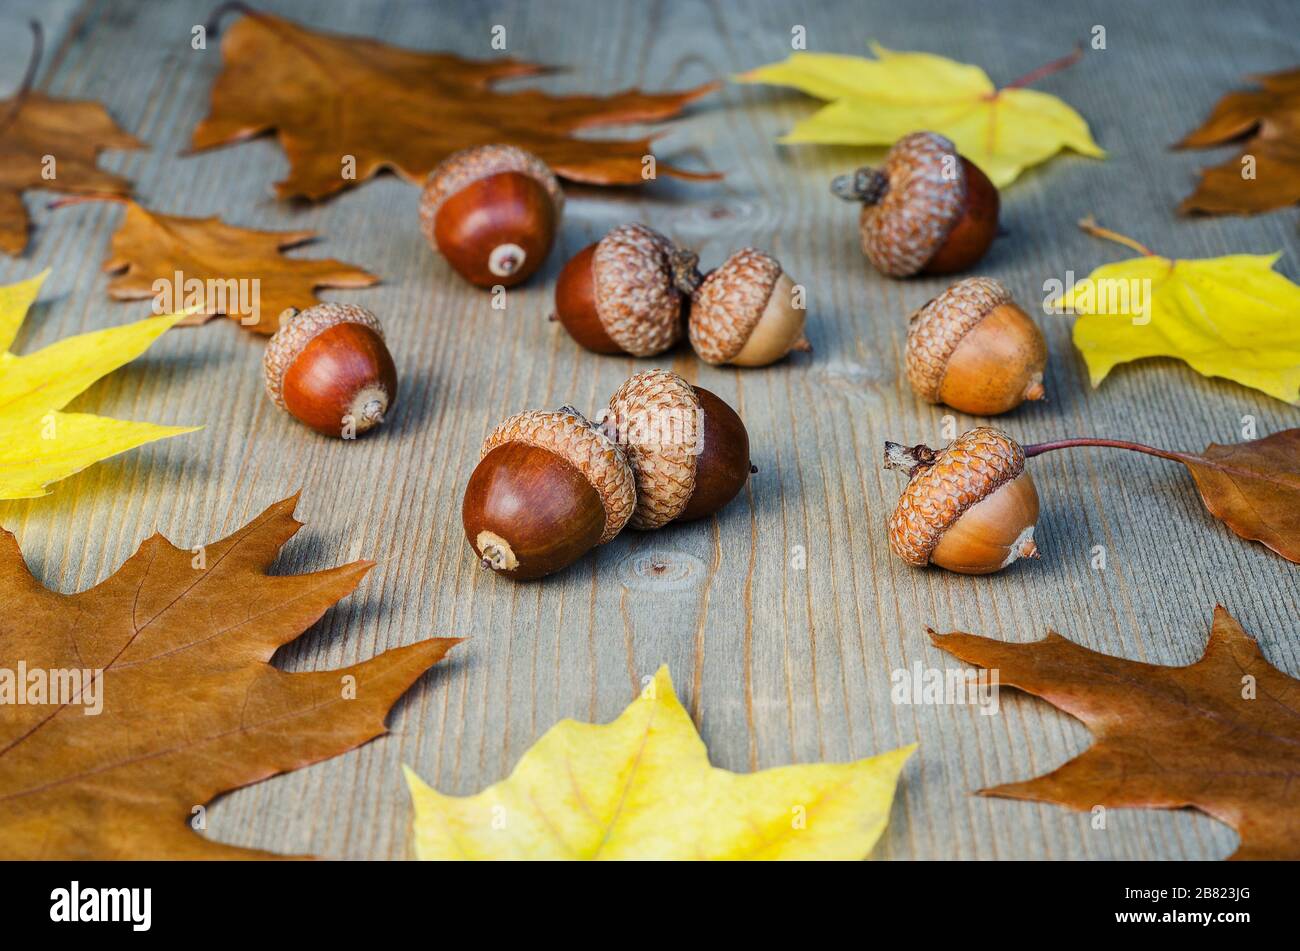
[1255, 488]
[1221, 735]
[1271, 117]
[210, 266]
[53, 143]
[346, 107]
[189, 703]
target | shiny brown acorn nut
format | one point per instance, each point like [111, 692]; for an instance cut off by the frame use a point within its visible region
[328, 366]
[548, 488]
[973, 349]
[925, 210]
[970, 508]
[744, 313]
[492, 212]
[688, 449]
[622, 294]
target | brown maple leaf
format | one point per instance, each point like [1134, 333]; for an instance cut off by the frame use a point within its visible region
[55, 144]
[345, 108]
[1221, 735]
[1253, 487]
[190, 706]
[1271, 117]
[210, 266]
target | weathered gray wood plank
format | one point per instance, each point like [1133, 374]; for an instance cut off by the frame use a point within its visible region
[777, 664]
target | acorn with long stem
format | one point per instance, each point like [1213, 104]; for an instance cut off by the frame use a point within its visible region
[971, 507]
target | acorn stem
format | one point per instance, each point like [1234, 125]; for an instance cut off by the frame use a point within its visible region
[866, 185]
[1037, 449]
[29, 77]
[686, 270]
[1090, 226]
[909, 459]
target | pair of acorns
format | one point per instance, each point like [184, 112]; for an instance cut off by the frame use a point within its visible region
[626, 294]
[549, 487]
[492, 212]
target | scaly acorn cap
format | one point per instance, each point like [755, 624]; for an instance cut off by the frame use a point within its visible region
[934, 331]
[299, 329]
[467, 166]
[911, 202]
[658, 418]
[573, 438]
[945, 484]
[729, 304]
[636, 300]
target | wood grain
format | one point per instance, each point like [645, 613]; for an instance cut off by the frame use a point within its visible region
[777, 664]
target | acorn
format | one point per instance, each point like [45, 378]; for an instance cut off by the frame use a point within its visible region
[972, 348]
[548, 488]
[688, 449]
[624, 293]
[328, 367]
[492, 212]
[747, 312]
[927, 209]
[970, 508]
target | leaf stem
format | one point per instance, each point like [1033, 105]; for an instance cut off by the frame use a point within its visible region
[1037, 449]
[213, 24]
[29, 77]
[1055, 66]
[1090, 226]
[83, 199]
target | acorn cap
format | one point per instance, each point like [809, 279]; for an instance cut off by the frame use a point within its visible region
[298, 330]
[935, 331]
[467, 166]
[729, 304]
[657, 418]
[573, 438]
[972, 467]
[924, 191]
[636, 300]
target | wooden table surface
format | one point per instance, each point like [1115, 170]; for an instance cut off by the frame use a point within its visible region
[777, 664]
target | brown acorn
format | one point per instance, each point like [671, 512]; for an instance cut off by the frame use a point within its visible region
[688, 449]
[622, 294]
[548, 488]
[973, 349]
[328, 366]
[970, 508]
[747, 312]
[492, 212]
[926, 209]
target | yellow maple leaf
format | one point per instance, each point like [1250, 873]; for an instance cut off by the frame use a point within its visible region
[1231, 316]
[642, 788]
[39, 444]
[878, 101]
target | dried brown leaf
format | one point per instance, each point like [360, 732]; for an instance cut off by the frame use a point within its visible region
[1221, 735]
[72, 133]
[191, 705]
[331, 97]
[149, 247]
[1271, 117]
